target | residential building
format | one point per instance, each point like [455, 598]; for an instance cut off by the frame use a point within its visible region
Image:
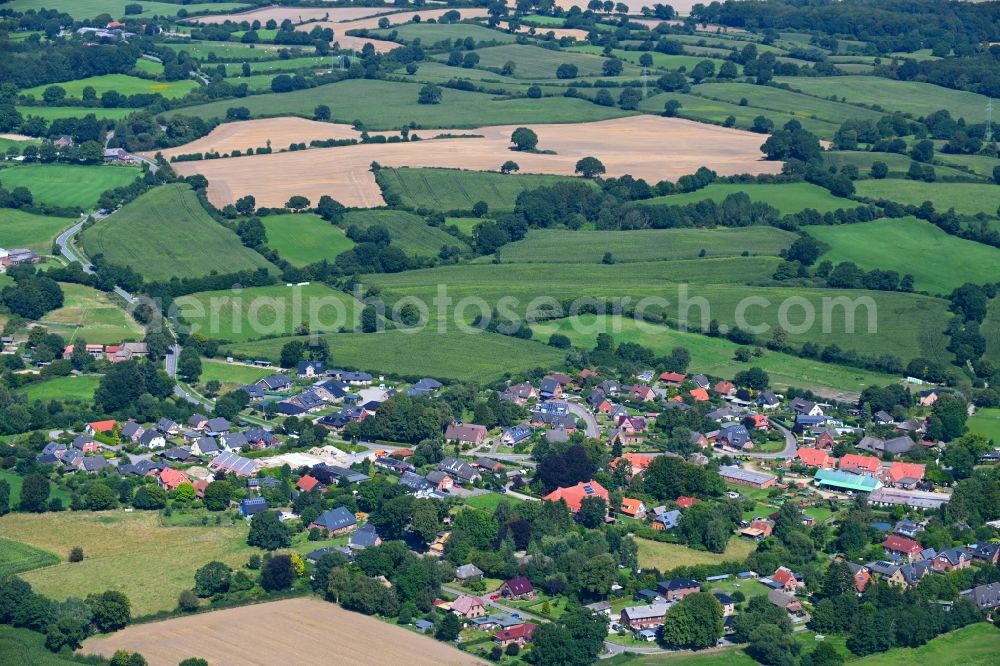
[466, 433]
[519, 635]
[468, 606]
[468, 573]
[677, 588]
[952, 559]
[574, 495]
[638, 618]
[459, 469]
[815, 458]
[858, 464]
[633, 508]
[902, 547]
[335, 521]
[519, 588]
[915, 499]
[986, 597]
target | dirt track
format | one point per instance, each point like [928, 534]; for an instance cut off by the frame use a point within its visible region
[304, 632]
[650, 147]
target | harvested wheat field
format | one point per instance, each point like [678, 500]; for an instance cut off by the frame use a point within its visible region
[357, 43]
[559, 33]
[256, 133]
[296, 14]
[371, 22]
[650, 147]
[304, 632]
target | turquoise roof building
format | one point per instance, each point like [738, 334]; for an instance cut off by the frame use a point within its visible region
[829, 478]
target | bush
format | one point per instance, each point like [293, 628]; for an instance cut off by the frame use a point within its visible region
[76, 554]
[188, 601]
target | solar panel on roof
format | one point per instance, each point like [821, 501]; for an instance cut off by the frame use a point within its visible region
[588, 490]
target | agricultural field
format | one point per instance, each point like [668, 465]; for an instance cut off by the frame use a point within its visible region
[776, 99]
[67, 185]
[407, 231]
[981, 165]
[120, 83]
[274, 66]
[986, 422]
[965, 198]
[716, 356]
[276, 133]
[295, 14]
[304, 238]
[432, 33]
[385, 105]
[17, 557]
[248, 314]
[166, 233]
[561, 246]
[149, 67]
[83, 9]
[226, 51]
[938, 261]
[913, 97]
[991, 330]
[786, 197]
[231, 375]
[51, 113]
[23, 646]
[665, 556]
[128, 552]
[898, 164]
[660, 60]
[35, 232]
[648, 147]
[449, 355]
[534, 62]
[293, 627]
[451, 189]
[907, 325]
[63, 388]
[90, 315]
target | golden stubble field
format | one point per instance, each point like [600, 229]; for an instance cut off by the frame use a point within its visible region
[340, 26]
[304, 632]
[296, 14]
[650, 147]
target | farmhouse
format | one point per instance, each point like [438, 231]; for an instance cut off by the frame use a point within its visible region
[677, 588]
[916, 499]
[732, 474]
[638, 618]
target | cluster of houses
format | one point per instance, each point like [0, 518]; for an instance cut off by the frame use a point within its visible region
[126, 351]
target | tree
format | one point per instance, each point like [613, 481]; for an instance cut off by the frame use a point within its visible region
[534, 92]
[189, 364]
[509, 166]
[4, 497]
[554, 646]
[185, 493]
[592, 512]
[246, 205]
[278, 573]
[480, 209]
[65, 632]
[429, 94]
[297, 202]
[448, 628]
[630, 98]
[671, 108]
[613, 67]
[589, 167]
[112, 610]
[268, 532]
[76, 554]
[188, 601]
[425, 521]
[524, 138]
[218, 495]
[34, 493]
[321, 112]
[150, 496]
[752, 378]
[291, 353]
[879, 169]
[566, 71]
[770, 645]
[695, 623]
[213, 578]
[126, 658]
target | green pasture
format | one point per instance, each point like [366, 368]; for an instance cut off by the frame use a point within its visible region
[304, 238]
[777, 99]
[120, 83]
[51, 113]
[453, 189]
[986, 422]
[90, 315]
[231, 375]
[898, 164]
[35, 232]
[965, 198]
[562, 246]
[938, 261]
[786, 197]
[660, 60]
[407, 231]
[382, 105]
[432, 33]
[70, 185]
[63, 388]
[715, 356]
[16, 557]
[84, 9]
[535, 62]
[165, 233]
[248, 314]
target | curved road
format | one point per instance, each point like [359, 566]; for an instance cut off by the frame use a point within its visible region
[791, 446]
[581, 412]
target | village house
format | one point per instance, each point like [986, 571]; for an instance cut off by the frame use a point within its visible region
[599, 403]
[519, 635]
[785, 601]
[100, 427]
[460, 470]
[903, 474]
[699, 394]
[642, 393]
[735, 436]
[951, 559]
[549, 388]
[806, 407]
[468, 573]
[858, 464]
[335, 521]
[519, 588]
[364, 537]
[727, 602]
[85, 444]
[815, 458]
[234, 464]
[574, 495]
[171, 478]
[902, 547]
[666, 520]
[633, 508]
[131, 432]
[986, 597]
[638, 618]
[519, 394]
[677, 588]
[672, 379]
[516, 434]
[724, 388]
[251, 506]
[466, 433]
[785, 579]
[468, 607]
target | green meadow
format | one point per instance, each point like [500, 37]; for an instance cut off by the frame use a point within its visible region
[166, 233]
[239, 315]
[786, 197]
[715, 356]
[660, 60]
[63, 388]
[383, 105]
[991, 330]
[70, 185]
[84, 9]
[986, 422]
[776, 99]
[121, 83]
[938, 261]
[408, 231]
[965, 198]
[562, 246]
[898, 164]
[35, 232]
[535, 62]
[452, 189]
[231, 375]
[304, 238]
[16, 557]
[51, 113]
[89, 315]
[432, 33]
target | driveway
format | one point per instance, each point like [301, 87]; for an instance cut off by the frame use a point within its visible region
[791, 446]
[581, 412]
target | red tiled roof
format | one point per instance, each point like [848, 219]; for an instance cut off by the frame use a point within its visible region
[725, 388]
[675, 377]
[307, 483]
[521, 631]
[685, 502]
[904, 470]
[813, 457]
[171, 478]
[855, 461]
[898, 544]
[638, 461]
[699, 394]
[102, 426]
[574, 495]
[631, 506]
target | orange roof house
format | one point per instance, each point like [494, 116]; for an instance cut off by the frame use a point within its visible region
[672, 378]
[765, 526]
[171, 478]
[787, 579]
[642, 392]
[815, 458]
[724, 388]
[307, 483]
[904, 472]
[633, 507]
[102, 427]
[699, 394]
[760, 421]
[861, 578]
[574, 495]
[857, 463]
[638, 461]
[684, 502]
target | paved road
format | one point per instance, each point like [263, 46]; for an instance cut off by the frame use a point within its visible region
[67, 249]
[581, 412]
[791, 446]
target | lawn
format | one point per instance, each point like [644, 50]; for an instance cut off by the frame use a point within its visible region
[715, 356]
[666, 556]
[304, 238]
[384, 105]
[913, 97]
[17, 557]
[453, 189]
[535, 62]
[562, 246]
[407, 231]
[975, 645]
[938, 261]
[907, 325]
[120, 83]
[786, 197]
[166, 233]
[490, 501]
[231, 375]
[35, 232]
[257, 312]
[432, 33]
[965, 198]
[15, 481]
[986, 422]
[51, 113]
[465, 224]
[84, 9]
[129, 552]
[63, 388]
[89, 315]
[446, 356]
[227, 51]
[68, 185]
[149, 67]
[23, 646]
